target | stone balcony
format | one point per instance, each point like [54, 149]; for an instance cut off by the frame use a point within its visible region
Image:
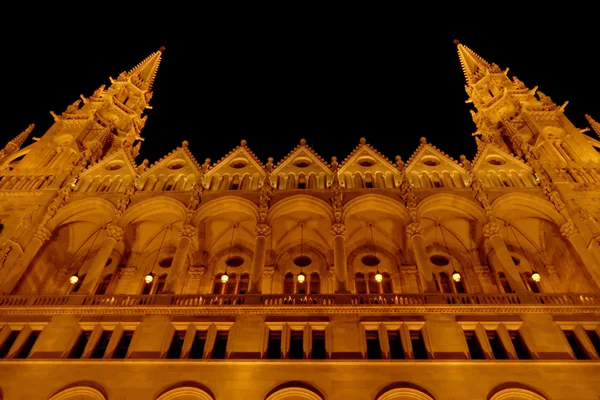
[268, 303]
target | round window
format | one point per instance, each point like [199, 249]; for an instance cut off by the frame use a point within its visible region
[370, 260]
[302, 261]
[439, 260]
[234, 261]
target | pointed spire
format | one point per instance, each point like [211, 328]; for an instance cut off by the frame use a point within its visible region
[594, 124]
[473, 65]
[144, 73]
[21, 137]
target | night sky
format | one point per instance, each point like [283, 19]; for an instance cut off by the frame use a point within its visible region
[328, 79]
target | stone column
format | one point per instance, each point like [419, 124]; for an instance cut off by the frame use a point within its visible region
[267, 280]
[491, 231]
[415, 233]
[258, 261]
[114, 234]
[569, 231]
[339, 257]
[183, 247]
[15, 274]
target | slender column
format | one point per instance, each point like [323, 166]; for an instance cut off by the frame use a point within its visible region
[114, 234]
[14, 275]
[415, 233]
[338, 231]
[267, 282]
[258, 261]
[176, 274]
[491, 231]
[569, 231]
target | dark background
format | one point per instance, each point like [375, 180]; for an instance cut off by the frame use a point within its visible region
[274, 76]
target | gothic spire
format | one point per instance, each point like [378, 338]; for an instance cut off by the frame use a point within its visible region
[473, 65]
[143, 74]
[15, 144]
[594, 124]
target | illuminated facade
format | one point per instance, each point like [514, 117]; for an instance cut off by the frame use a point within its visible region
[358, 279]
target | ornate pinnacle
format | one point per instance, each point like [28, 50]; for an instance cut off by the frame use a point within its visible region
[15, 144]
[594, 124]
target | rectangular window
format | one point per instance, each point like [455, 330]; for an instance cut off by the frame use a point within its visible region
[102, 345]
[8, 343]
[577, 348]
[197, 350]
[373, 345]
[497, 347]
[418, 345]
[595, 339]
[475, 348]
[26, 349]
[274, 345]
[79, 346]
[319, 351]
[519, 345]
[220, 348]
[296, 345]
[123, 346]
[396, 348]
[177, 345]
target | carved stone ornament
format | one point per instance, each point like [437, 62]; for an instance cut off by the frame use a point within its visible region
[409, 271]
[42, 234]
[188, 231]
[568, 229]
[268, 271]
[263, 230]
[128, 272]
[482, 271]
[338, 229]
[491, 229]
[413, 229]
[196, 272]
[114, 232]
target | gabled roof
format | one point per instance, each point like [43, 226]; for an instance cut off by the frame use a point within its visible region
[242, 152]
[118, 163]
[491, 156]
[302, 151]
[427, 152]
[181, 153]
[365, 150]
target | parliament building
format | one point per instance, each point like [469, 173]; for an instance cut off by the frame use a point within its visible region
[360, 278]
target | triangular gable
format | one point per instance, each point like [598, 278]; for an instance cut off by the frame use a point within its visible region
[365, 158]
[241, 160]
[429, 158]
[490, 157]
[118, 163]
[178, 161]
[302, 159]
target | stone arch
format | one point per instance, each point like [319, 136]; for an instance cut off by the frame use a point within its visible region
[300, 202]
[186, 391]
[515, 391]
[240, 248]
[295, 391]
[226, 205]
[451, 202]
[403, 391]
[152, 207]
[384, 203]
[516, 204]
[364, 247]
[81, 391]
[95, 209]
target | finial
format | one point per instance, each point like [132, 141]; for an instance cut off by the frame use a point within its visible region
[363, 140]
[185, 143]
[162, 49]
[207, 161]
[270, 159]
[423, 140]
[334, 158]
[456, 42]
[303, 142]
[243, 142]
[398, 159]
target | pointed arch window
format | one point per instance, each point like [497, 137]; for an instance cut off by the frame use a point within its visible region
[360, 283]
[217, 284]
[288, 283]
[244, 284]
[315, 283]
[104, 284]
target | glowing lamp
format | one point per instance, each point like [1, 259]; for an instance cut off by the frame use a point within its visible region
[378, 277]
[301, 277]
[456, 276]
[148, 279]
[224, 277]
[536, 277]
[73, 279]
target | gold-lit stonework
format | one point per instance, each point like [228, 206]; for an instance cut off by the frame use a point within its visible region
[358, 278]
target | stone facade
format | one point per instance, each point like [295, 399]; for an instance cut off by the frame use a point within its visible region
[362, 278]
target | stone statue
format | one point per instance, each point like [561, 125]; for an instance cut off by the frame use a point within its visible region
[466, 164]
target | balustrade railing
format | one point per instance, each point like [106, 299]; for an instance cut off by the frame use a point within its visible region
[208, 300]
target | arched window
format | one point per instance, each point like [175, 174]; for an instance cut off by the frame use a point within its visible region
[294, 391]
[516, 394]
[218, 284]
[372, 285]
[186, 393]
[76, 286]
[315, 283]
[386, 285]
[504, 283]
[244, 284]
[359, 282]
[445, 285]
[104, 284]
[302, 181]
[288, 283]
[79, 393]
[231, 284]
